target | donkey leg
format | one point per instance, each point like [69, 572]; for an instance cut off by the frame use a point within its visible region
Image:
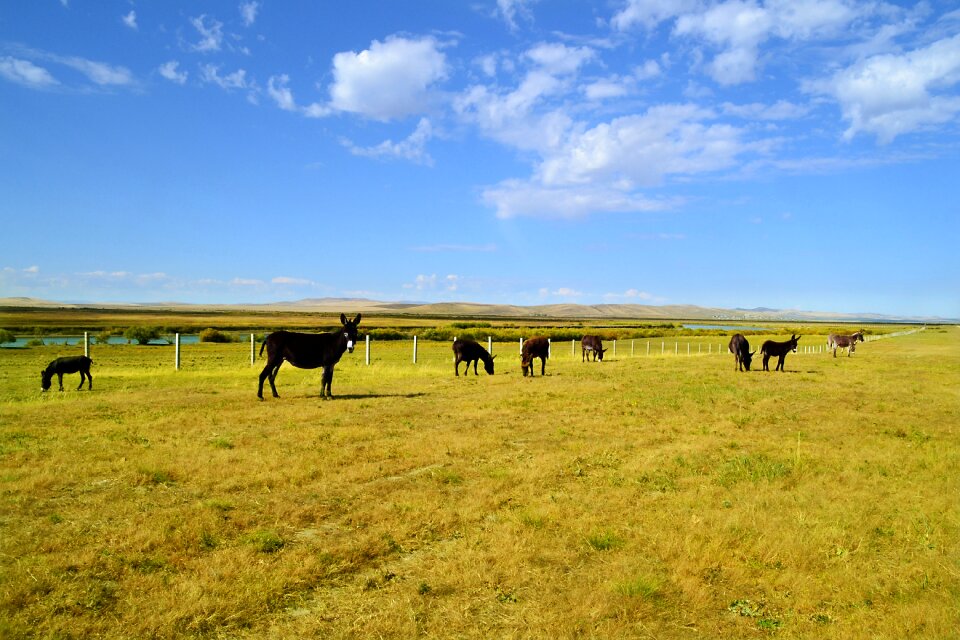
[60, 380]
[456, 367]
[475, 363]
[326, 382]
[89, 382]
[82, 380]
[543, 366]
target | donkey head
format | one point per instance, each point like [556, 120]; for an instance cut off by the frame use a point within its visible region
[747, 358]
[350, 330]
[793, 342]
[46, 379]
[600, 353]
[488, 365]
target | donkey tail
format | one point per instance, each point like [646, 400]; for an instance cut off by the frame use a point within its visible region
[262, 345]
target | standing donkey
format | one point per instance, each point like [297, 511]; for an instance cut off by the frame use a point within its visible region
[837, 341]
[538, 347]
[740, 349]
[779, 349]
[470, 351]
[308, 351]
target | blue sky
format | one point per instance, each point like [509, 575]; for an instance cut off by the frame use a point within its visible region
[798, 154]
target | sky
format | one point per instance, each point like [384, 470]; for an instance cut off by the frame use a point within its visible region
[789, 154]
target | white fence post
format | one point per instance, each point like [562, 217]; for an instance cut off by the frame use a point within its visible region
[86, 344]
[368, 349]
[631, 348]
[521, 344]
[253, 349]
[614, 348]
[176, 342]
[549, 348]
[573, 348]
[490, 344]
[414, 349]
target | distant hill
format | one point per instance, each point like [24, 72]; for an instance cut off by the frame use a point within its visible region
[478, 310]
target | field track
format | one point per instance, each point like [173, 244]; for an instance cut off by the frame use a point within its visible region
[650, 497]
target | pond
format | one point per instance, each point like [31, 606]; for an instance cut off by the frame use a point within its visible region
[78, 340]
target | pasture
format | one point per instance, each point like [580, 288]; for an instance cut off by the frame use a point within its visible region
[655, 496]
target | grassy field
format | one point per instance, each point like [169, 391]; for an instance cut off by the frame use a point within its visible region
[650, 497]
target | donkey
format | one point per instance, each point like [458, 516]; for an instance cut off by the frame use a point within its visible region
[779, 349]
[740, 349]
[469, 351]
[67, 364]
[835, 341]
[308, 351]
[592, 344]
[534, 348]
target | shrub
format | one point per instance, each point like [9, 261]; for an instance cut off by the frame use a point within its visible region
[212, 335]
[7, 336]
[142, 335]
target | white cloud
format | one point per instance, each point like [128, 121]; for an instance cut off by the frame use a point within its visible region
[210, 73]
[649, 13]
[781, 110]
[26, 73]
[647, 70]
[515, 198]
[248, 12]
[211, 35]
[391, 79]
[890, 95]
[606, 88]
[32, 269]
[559, 59]
[644, 148]
[278, 90]
[100, 73]
[509, 10]
[432, 283]
[246, 282]
[292, 281]
[130, 20]
[412, 148]
[169, 70]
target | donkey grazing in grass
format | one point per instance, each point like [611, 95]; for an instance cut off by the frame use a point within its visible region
[67, 364]
[835, 341]
[469, 351]
[308, 351]
[591, 344]
[534, 348]
[779, 349]
[740, 349]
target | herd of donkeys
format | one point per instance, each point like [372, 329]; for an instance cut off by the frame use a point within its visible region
[324, 350]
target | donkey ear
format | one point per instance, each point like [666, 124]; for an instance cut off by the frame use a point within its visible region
[493, 357]
[357, 319]
[343, 319]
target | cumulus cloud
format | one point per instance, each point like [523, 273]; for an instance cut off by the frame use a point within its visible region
[24, 72]
[248, 12]
[169, 70]
[210, 74]
[292, 281]
[432, 282]
[412, 148]
[892, 94]
[391, 79]
[211, 34]
[510, 10]
[130, 20]
[530, 198]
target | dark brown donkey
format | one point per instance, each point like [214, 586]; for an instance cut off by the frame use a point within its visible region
[534, 348]
[67, 364]
[591, 344]
[779, 349]
[835, 341]
[469, 351]
[740, 349]
[308, 351]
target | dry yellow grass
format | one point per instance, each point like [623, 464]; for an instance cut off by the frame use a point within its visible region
[660, 497]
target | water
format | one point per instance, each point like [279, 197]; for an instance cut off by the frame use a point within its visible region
[68, 341]
[722, 327]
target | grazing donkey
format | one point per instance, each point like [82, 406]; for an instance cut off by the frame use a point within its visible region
[740, 349]
[592, 344]
[469, 351]
[534, 348]
[835, 341]
[779, 349]
[67, 364]
[308, 351]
